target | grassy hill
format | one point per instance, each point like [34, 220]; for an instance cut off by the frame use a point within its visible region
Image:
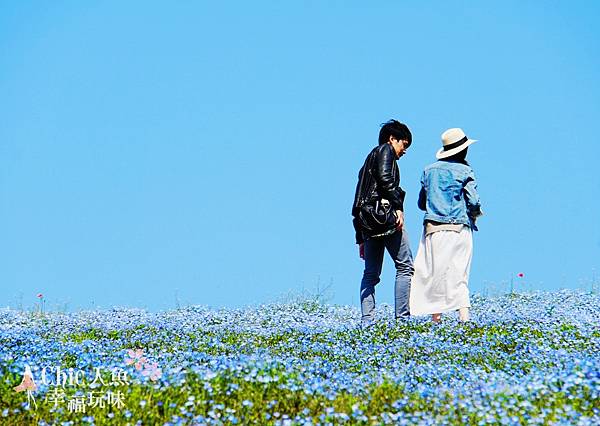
[523, 359]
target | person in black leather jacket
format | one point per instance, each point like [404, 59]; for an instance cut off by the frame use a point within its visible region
[386, 184]
[382, 180]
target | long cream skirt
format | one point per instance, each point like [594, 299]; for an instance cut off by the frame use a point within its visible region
[442, 265]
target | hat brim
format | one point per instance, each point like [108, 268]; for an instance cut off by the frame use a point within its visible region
[445, 154]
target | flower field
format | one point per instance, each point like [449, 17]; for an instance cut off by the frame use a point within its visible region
[524, 359]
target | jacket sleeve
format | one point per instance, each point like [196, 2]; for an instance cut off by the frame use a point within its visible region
[355, 210]
[386, 184]
[422, 203]
[357, 231]
[472, 196]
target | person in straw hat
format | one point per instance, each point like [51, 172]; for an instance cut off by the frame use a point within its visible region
[451, 203]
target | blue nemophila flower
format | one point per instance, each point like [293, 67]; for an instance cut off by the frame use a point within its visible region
[533, 357]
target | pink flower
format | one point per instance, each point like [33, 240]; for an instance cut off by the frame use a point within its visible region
[137, 354]
[140, 364]
[156, 374]
[152, 371]
[149, 368]
[520, 275]
[40, 295]
[136, 357]
[27, 383]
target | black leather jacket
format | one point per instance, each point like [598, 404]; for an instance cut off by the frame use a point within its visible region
[382, 180]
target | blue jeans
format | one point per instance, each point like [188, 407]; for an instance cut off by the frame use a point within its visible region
[398, 247]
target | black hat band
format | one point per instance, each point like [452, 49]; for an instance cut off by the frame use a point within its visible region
[455, 144]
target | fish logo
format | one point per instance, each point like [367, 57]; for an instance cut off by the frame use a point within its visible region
[27, 384]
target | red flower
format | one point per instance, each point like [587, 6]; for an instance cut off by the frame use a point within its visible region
[40, 295]
[520, 275]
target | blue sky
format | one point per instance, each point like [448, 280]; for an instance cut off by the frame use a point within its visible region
[209, 152]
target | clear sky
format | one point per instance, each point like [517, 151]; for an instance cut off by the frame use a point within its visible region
[154, 151]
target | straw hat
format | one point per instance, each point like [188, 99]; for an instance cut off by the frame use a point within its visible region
[453, 141]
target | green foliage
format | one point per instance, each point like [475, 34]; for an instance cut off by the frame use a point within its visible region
[465, 351]
[231, 392]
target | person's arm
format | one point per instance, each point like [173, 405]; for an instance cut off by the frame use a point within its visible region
[357, 232]
[358, 235]
[472, 196]
[357, 194]
[422, 195]
[385, 178]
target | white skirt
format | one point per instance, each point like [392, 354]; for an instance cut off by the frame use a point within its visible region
[442, 265]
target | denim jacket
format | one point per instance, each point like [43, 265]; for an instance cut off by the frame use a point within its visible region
[449, 193]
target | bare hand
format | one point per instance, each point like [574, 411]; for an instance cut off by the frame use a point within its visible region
[399, 219]
[361, 250]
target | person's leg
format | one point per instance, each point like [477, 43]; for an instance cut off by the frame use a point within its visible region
[398, 247]
[436, 318]
[464, 314]
[373, 262]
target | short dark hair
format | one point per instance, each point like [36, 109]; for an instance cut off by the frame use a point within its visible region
[396, 129]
